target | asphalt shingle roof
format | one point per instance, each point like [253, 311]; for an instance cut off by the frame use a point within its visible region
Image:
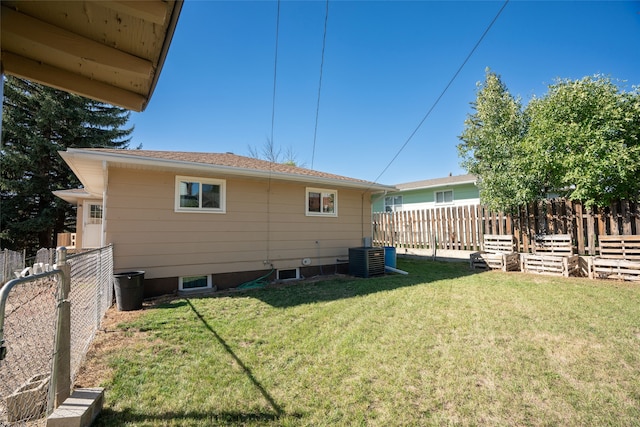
[226, 160]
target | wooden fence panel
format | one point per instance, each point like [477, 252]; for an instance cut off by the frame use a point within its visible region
[463, 227]
[439, 222]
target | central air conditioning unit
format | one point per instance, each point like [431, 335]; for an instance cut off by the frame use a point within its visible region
[366, 262]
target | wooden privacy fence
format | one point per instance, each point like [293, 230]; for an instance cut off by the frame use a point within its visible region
[463, 227]
[452, 227]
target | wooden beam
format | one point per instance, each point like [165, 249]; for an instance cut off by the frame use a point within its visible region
[26, 68]
[152, 11]
[19, 31]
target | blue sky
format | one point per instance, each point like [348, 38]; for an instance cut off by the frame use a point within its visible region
[385, 64]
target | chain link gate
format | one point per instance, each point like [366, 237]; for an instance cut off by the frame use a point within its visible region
[46, 326]
[28, 347]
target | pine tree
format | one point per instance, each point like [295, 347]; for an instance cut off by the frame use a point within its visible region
[37, 123]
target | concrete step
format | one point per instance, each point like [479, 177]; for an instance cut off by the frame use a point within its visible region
[78, 410]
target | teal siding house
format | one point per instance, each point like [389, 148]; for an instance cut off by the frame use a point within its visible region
[456, 190]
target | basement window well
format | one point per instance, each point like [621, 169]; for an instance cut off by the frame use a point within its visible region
[192, 283]
[289, 274]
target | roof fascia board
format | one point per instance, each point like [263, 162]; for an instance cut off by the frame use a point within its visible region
[73, 197]
[446, 184]
[177, 9]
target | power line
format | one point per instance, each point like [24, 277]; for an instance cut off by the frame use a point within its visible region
[443, 91]
[273, 115]
[324, 40]
[275, 73]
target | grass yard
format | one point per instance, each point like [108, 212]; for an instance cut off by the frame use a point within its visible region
[440, 346]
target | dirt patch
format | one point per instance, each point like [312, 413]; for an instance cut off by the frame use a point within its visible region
[95, 370]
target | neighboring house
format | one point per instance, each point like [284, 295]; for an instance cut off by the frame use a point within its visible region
[203, 220]
[449, 191]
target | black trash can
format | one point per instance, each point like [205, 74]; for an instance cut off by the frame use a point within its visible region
[129, 290]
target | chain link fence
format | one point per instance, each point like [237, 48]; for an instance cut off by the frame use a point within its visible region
[30, 326]
[91, 295]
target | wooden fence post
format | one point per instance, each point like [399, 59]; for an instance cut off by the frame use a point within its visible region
[626, 218]
[614, 219]
[577, 211]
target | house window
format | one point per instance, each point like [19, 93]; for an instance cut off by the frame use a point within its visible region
[95, 214]
[444, 196]
[191, 283]
[393, 203]
[200, 194]
[321, 202]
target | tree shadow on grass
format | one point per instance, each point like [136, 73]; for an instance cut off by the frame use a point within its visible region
[276, 408]
[110, 417]
[341, 287]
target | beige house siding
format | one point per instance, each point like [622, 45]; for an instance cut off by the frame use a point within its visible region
[264, 224]
[79, 223]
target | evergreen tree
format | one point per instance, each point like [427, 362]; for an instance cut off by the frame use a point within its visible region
[37, 122]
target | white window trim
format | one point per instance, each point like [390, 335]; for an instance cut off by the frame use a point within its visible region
[395, 207]
[223, 194]
[321, 190]
[297, 270]
[435, 197]
[209, 283]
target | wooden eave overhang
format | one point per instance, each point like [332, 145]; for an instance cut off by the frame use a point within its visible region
[73, 196]
[111, 51]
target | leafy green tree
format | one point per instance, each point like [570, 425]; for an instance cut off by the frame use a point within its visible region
[580, 140]
[493, 147]
[37, 122]
[586, 134]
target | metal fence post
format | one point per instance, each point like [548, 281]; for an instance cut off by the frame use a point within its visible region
[5, 264]
[62, 359]
[98, 317]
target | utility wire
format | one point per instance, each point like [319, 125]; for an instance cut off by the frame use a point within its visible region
[443, 92]
[273, 115]
[324, 41]
[275, 73]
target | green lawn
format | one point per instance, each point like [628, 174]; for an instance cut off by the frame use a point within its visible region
[439, 346]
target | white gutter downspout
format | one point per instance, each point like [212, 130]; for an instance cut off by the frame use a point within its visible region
[379, 197]
[105, 179]
[373, 202]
